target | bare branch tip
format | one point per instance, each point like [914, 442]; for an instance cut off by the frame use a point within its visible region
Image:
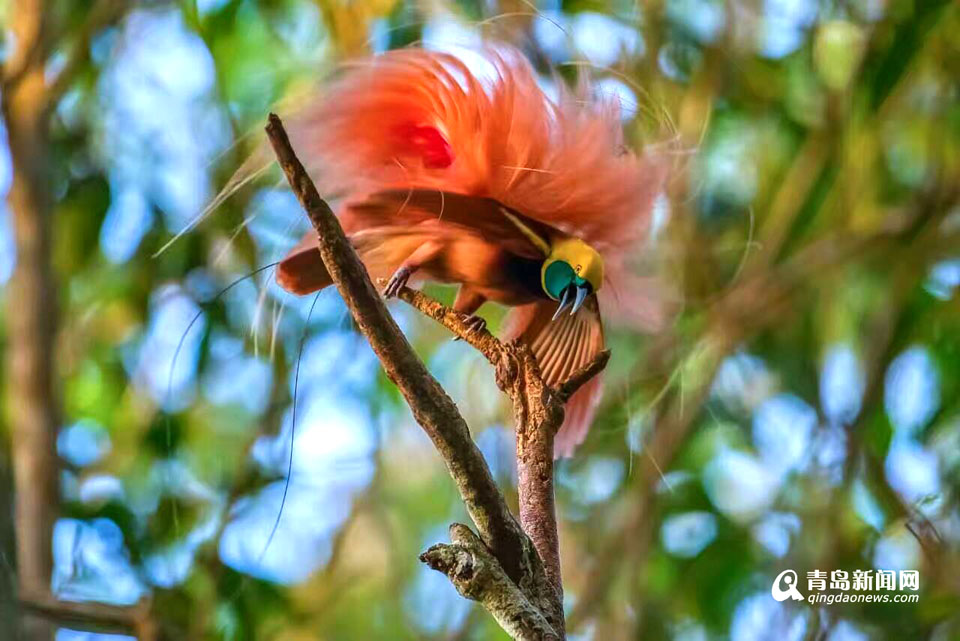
[462, 534]
[583, 375]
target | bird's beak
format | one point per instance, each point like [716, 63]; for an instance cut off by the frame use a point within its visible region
[582, 291]
[565, 300]
[573, 297]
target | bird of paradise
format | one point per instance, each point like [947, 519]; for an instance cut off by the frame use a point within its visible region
[486, 182]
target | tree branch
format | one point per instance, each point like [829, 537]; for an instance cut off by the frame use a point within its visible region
[478, 576]
[133, 619]
[481, 339]
[538, 410]
[582, 376]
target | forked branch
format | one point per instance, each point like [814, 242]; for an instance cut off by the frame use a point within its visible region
[538, 413]
[476, 575]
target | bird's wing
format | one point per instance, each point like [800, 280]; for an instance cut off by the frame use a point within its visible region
[563, 346]
[386, 227]
[495, 223]
[382, 250]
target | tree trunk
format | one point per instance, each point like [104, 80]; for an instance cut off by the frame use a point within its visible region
[31, 305]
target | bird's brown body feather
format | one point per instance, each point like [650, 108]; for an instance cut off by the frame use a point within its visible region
[387, 229]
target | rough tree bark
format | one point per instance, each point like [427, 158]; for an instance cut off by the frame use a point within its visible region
[513, 571]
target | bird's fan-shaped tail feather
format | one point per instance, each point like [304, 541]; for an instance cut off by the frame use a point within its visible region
[563, 346]
[413, 119]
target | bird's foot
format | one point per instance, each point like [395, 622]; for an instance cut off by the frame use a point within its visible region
[474, 324]
[397, 282]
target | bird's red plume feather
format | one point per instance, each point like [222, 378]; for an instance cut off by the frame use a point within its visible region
[420, 119]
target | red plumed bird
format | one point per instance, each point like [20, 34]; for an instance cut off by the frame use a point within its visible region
[485, 182]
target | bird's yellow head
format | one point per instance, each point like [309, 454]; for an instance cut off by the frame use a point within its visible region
[571, 268]
[571, 271]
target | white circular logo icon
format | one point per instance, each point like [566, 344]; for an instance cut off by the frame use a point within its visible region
[789, 579]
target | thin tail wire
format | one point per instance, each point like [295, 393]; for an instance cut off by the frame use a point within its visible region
[173, 365]
[293, 428]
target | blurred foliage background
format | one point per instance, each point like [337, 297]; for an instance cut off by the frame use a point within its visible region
[799, 408]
